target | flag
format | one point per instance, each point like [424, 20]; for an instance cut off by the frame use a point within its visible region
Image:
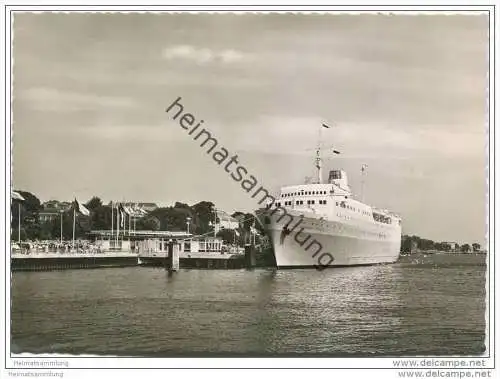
[79, 207]
[136, 211]
[363, 167]
[122, 215]
[17, 196]
[336, 151]
[325, 126]
[124, 209]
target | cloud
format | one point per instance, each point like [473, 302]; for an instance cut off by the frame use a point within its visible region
[52, 99]
[202, 55]
[299, 136]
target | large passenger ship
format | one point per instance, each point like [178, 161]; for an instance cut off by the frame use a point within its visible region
[321, 224]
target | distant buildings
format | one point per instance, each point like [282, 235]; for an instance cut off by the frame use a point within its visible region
[226, 222]
[52, 210]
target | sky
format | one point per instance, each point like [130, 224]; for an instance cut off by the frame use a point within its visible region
[405, 94]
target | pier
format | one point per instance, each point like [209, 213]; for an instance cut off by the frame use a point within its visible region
[171, 250]
[65, 261]
[55, 261]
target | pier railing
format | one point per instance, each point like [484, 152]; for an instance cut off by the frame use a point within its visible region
[57, 248]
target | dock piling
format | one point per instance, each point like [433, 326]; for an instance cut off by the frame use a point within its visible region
[250, 259]
[172, 257]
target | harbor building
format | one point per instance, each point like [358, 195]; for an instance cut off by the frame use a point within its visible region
[52, 210]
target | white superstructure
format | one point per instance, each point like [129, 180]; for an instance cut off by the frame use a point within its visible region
[321, 224]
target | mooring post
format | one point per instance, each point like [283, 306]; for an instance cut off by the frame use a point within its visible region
[172, 257]
[249, 256]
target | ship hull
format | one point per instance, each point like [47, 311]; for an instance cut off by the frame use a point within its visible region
[320, 243]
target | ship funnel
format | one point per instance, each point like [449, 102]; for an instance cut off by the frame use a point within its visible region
[339, 178]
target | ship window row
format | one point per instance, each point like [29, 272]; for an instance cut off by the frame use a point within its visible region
[346, 206]
[300, 202]
[302, 193]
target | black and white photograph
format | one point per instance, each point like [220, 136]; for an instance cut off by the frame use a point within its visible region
[307, 188]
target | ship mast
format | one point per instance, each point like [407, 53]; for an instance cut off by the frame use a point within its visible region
[363, 174]
[319, 160]
[318, 165]
[318, 157]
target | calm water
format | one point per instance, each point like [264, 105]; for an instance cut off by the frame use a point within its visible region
[424, 305]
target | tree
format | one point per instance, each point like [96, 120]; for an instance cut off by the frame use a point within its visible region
[425, 244]
[172, 218]
[31, 203]
[93, 203]
[442, 246]
[178, 204]
[148, 223]
[100, 217]
[228, 236]
[465, 248]
[248, 221]
[82, 226]
[203, 211]
[14, 234]
[30, 207]
[476, 246]
[406, 243]
[45, 231]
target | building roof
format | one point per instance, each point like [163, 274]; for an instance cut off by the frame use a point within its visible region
[223, 216]
[132, 203]
[144, 233]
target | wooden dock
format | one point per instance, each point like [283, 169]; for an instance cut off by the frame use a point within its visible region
[65, 261]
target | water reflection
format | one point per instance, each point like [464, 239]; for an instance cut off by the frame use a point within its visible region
[407, 308]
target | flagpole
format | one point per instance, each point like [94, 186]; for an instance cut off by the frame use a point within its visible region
[112, 222]
[117, 225]
[215, 221]
[254, 232]
[61, 224]
[19, 222]
[74, 224]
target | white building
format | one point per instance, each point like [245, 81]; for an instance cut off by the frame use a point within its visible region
[226, 222]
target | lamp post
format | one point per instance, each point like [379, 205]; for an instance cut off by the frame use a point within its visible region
[187, 223]
[62, 212]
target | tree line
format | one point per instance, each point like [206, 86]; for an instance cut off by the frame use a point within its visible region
[411, 244]
[163, 218]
